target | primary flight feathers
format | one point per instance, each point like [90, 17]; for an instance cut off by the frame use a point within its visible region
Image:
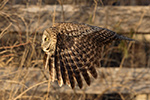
[74, 51]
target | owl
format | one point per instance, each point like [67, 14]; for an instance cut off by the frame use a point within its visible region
[73, 51]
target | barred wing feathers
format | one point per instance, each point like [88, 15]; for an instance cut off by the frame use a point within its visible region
[78, 51]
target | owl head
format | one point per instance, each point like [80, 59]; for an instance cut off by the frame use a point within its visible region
[49, 40]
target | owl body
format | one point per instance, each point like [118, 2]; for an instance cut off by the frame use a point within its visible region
[72, 51]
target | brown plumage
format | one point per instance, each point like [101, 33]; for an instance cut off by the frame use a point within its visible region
[72, 51]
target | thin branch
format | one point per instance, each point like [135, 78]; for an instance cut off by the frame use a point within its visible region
[62, 9]
[4, 31]
[3, 4]
[95, 1]
[19, 96]
[10, 47]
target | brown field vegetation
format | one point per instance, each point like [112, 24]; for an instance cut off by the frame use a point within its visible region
[22, 76]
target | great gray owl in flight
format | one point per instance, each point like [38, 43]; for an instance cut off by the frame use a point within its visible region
[72, 51]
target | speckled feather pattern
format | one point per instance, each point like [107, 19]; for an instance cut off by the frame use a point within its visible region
[77, 52]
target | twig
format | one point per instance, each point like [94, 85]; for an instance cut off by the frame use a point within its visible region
[8, 55]
[47, 59]
[54, 15]
[3, 32]
[3, 4]
[62, 9]
[19, 96]
[10, 47]
[95, 1]
[48, 90]
[124, 57]
[101, 3]
[14, 82]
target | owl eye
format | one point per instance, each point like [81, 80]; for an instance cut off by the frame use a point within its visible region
[46, 39]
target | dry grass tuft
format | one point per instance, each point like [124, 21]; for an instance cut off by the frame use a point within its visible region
[22, 76]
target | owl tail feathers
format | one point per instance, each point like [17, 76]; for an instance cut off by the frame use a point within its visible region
[121, 37]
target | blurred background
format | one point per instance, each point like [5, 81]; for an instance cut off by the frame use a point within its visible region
[125, 66]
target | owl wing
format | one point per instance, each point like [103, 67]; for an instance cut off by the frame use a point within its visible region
[77, 51]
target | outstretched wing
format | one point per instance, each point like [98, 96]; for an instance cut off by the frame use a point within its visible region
[78, 51]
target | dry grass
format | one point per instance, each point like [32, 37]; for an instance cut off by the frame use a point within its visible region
[21, 70]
